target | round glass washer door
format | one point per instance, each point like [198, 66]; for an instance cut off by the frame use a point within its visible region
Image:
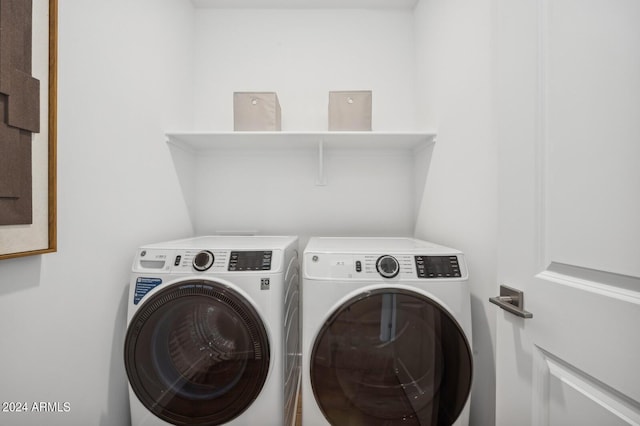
[391, 357]
[197, 353]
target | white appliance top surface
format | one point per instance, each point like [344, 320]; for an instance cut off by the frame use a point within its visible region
[381, 245]
[253, 242]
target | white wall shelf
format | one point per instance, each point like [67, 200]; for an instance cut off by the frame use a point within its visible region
[211, 141]
[378, 175]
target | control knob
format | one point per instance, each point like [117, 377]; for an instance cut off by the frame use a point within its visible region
[203, 260]
[387, 266]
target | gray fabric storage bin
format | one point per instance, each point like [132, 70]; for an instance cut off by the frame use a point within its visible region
[256, 111]
[350, 110]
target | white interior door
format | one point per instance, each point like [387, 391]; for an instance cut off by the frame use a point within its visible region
[567, 120]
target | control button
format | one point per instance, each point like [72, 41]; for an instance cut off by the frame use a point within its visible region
[387, 266]
[203, 260]
[358, 266]
[266, 261]
[420, 267]
[177, 261]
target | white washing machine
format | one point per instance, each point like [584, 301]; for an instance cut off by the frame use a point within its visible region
[386, 326]
[213, 332]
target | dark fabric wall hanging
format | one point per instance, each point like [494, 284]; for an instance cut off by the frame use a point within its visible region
[19, 111]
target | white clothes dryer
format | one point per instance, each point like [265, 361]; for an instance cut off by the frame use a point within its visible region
[213, 332]
[386, 325]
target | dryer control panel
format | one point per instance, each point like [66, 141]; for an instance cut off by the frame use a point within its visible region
[387, 267]
[438, 266]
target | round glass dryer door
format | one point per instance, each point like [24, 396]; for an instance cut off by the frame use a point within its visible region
[391, 357]
[197, 353]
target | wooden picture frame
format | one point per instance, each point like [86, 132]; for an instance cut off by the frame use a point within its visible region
[16, 240]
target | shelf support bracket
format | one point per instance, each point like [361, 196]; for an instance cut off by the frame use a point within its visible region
[321, 179]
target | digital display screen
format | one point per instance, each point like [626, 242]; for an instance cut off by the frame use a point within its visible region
[437, 266]
[250, 261]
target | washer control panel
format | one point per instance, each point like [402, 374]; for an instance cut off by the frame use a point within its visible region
[207, 260]
[250, 260]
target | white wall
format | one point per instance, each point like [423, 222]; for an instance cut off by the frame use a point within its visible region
[124, 77]
[453, 48]
[303, 54]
